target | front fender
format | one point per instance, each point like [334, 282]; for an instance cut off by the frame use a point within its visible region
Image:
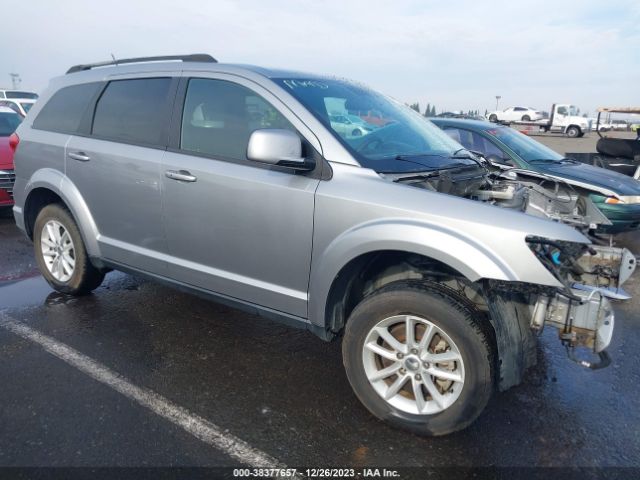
[62, 186]
[467, 255]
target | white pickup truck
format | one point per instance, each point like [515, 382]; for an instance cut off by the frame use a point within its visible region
[564, 119]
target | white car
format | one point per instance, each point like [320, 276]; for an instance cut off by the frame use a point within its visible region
[19, 105]
[344, 126]
[515, 114]
[603, 127]
[619, 125]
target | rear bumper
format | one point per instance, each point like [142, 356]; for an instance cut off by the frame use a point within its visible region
[7, 179]
[6, 199]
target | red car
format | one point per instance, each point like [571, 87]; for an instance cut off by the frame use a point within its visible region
[9, 121]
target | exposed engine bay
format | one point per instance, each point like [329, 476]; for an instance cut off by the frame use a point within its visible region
[532, 193]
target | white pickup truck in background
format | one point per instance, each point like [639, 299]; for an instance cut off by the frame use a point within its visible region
[564, 119]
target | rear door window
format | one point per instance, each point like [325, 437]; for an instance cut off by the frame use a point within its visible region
[134, 111]
[64, 111]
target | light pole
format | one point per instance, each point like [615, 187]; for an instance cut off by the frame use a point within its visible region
[498, 97]
[15, 80]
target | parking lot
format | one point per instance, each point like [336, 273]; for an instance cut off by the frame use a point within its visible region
[137, 374]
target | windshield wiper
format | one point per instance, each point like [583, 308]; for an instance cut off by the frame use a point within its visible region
[544, 160]
[454, 154]
[408, 156]
[560, 161]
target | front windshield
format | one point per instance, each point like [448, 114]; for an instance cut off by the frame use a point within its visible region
[525, 147]
[382, 134]
[9, 121]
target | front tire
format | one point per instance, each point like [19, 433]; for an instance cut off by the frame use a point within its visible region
[61, 254]
[526, 118]
[417, 357]
[573, 132]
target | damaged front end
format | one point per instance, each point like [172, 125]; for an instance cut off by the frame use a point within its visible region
[591, 276]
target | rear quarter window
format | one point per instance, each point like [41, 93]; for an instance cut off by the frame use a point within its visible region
[64, 111]
[134, 111]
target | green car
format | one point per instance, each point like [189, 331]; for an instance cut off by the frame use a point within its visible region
[616, 195]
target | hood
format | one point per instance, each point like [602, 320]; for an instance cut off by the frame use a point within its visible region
[596, 176]
[6, 155]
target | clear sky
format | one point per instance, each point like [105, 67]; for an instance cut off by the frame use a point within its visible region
[456, 54]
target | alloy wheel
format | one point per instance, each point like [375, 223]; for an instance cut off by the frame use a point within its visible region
[58, 250]
[413, 364]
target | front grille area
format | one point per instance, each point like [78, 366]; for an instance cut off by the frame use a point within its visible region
[7, 179]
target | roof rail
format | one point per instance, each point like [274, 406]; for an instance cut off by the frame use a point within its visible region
[194, 57]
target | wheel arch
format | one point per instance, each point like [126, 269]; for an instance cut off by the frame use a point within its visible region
[372, 271]
[401, 241]
[51, 186]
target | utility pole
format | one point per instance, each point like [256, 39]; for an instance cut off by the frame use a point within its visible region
[15, 80]
[498, 97]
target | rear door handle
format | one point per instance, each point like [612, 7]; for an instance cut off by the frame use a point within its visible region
[80, 156]
[180, 175]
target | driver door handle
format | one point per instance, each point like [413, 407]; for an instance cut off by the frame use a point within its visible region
[180, 175]
[80, 156]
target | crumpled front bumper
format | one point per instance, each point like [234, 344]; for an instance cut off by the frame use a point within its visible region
[585, 316]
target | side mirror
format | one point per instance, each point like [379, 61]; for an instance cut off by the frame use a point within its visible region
[275, 146]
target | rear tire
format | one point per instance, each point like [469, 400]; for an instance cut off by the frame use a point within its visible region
[493, 118]
[376, 343]
[61, 254]
[526, 118]
[573, 132]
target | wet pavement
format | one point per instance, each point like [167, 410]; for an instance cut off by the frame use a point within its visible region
[281, 390]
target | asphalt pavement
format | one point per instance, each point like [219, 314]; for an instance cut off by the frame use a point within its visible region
[138, 374]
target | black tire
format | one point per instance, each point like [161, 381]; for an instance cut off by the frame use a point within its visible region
[453, 315]
[85, 277]
[573, 132]
[493, 118]
[526, 118]
[356, 133]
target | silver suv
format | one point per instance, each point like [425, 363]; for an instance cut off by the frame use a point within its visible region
[231, 181]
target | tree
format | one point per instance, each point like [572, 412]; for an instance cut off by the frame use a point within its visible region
[415, 106]
[433, 110]
[427, 111]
